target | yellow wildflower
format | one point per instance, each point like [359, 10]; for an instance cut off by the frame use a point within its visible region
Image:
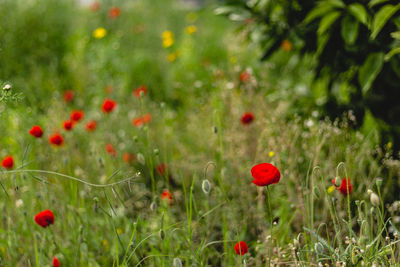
[99, 33]
[167, 35]
[331, 189]
[233, 59]
[119, 231]
[172, 57]
[389, 145]
[191, 29]
[168, 38]
[168, 42]
[271, 154]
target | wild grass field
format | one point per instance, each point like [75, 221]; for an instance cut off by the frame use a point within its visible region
[136, 133]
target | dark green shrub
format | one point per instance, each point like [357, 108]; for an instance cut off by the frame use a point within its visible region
[355, 44]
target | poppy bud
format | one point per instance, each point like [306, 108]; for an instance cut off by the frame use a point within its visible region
[378, 182]
[319, 248]
[156, 151]
[374, 199]
[153, 206]
[338, 181]
[206, 186]
[161, 233]
[101, 162]
[140, 158]
[177, 262]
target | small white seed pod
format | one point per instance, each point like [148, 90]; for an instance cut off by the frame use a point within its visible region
[177, 262]
[374, 199]
[206, 186]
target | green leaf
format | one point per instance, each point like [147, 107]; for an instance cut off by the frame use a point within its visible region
[327, 21]
[323, 8]
[349, 29]
[395, 35]
[335, 3]
[392, 52]
[376, 2]
[319, 11]
[359, 12]
[380, 19]
[321, 43]
[369, 70]
[396, 21]
[227, 10]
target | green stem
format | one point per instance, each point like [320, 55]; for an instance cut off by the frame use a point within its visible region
[271, 223]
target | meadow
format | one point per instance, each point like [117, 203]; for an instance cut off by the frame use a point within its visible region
[136, 133]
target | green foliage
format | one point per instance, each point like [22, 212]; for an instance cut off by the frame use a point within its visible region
[352, 42]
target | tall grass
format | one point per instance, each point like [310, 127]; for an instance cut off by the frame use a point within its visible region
[111, 213]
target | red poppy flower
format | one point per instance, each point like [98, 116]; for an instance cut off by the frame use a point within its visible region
[77, 115]
[244, 76]
[161, 168]
[137, 122]
[36, 131]
[265, 174]
[140, 89]
[114, 12]
[111, 150]
[68, 125]
[69, 95]
[91, 126]
[166, 196]
[56, 262]
[247, 118]
[8, 162]
[108, 105]
[95, 6]
[343, 186]
[241, 248]
[146, 118]
[44, 218]
[56, 139]
[128, 157]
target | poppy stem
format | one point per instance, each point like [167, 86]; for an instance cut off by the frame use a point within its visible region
[271, 223]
